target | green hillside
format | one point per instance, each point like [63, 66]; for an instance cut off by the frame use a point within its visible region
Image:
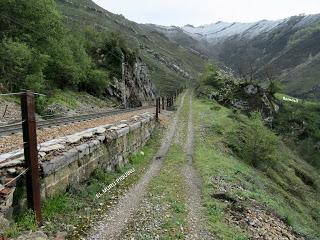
[154, 48]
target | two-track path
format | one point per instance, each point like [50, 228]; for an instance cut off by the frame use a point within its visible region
[113, 224]
[116, 224]
[196, 220]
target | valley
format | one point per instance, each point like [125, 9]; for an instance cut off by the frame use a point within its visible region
[157, 132]
[286, 49]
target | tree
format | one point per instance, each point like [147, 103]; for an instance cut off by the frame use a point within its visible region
[15, 59]
[33, 22]
[21, 66]
[39, 54]
[27, 28]
[209, 77]
[96, 82]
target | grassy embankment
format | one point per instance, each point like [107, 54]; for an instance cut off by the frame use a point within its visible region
[288, 185]
[298, 123]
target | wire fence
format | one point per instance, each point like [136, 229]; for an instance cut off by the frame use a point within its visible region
[32, 149]
[16, 178]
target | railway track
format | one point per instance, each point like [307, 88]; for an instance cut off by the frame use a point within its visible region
[17, 127]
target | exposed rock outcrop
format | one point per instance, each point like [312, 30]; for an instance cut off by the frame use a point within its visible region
[138, 86]
[242, 95]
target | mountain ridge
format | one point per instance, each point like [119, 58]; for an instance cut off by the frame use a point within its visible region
[285, 50]
[261, 49]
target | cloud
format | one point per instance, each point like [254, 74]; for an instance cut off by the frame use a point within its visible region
[198, 12]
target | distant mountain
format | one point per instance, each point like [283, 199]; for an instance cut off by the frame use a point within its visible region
[222, 30]
[287, 49]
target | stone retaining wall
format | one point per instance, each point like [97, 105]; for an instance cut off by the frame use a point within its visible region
[72, 159]
[106, 151]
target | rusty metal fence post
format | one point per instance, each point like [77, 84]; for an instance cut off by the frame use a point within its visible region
[162, 103]
[159, 99]
[31, 153]
[157, 109]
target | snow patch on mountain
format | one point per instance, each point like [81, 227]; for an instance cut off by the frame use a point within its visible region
[221, 30]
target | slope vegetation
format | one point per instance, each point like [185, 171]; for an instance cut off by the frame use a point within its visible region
[245, 199]
[170, 64]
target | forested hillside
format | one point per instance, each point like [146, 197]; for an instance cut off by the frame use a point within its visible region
[170, 64]
[76, 45]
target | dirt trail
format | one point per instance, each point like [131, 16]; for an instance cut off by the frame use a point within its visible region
[112, 225]
[193, 184]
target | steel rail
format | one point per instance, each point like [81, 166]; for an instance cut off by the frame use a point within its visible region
[17, 127]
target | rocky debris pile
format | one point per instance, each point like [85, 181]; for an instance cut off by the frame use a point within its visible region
[58, 152]
[56, 109]
[255, 218]
[260, 222]
[223, 186]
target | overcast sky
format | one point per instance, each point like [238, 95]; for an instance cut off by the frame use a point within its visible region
[199, 12]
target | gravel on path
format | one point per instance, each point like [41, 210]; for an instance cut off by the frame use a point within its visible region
[195, 217]
[112, 225]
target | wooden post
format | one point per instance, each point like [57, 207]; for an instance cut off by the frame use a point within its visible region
[162, 103]
[159, 105]
[31, 153]
[157, 109]
[124, 99]
[5, 111]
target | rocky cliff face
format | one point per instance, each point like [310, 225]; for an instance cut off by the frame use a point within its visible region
[138, 88]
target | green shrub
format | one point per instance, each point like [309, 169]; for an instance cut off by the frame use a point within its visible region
[15, 58]
[210, 76]
[96, 82]
[41, 105]
[254, 143]
[21, 66]
[275, 87]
